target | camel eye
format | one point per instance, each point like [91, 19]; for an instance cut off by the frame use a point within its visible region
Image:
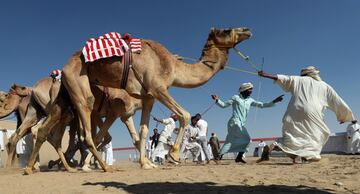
[23, 88]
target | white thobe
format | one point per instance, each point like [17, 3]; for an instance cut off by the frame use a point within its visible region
[190, 144]
[165, 143]
[108, 155]
[261, 148]
[353, 138]
[2, 143]
[304, 129]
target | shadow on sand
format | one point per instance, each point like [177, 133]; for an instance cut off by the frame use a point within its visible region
[207, 187]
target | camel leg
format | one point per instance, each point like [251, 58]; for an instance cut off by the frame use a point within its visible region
[132, 131]
[55, 140]
[102, 134]
[129, 122]
[29, 120]
[83, 100]
[145, 117]
[43, 132]
[184, 117]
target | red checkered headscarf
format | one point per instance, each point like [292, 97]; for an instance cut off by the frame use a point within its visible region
[56, 74]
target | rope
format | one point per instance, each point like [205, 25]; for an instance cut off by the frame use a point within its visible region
[206, 110]
[240, 70]
[259, 89]
[246, 58]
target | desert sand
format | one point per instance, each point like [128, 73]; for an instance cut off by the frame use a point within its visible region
[333, 174]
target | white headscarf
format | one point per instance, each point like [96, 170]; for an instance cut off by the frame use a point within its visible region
[311, 71]
[245, 86]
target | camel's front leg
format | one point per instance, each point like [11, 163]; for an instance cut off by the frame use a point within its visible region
[145, 117]
[83, 100]
[135, 138]
[164, 97]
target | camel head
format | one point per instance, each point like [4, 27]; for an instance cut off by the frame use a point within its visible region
[8, 103]
[22, 91]
[228, 37]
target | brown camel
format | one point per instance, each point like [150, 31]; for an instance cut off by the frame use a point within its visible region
[28, 110]
[156, 69]
[110, 104]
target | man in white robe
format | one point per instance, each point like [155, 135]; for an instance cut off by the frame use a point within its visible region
[353, 138]
[190, 144]
[304, 129]
[165, 143]
[108, 154]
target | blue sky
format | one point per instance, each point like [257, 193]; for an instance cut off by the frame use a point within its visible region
[39, 36]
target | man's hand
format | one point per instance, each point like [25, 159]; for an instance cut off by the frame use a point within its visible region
[278, 99]
[215, 97]
[261, 73]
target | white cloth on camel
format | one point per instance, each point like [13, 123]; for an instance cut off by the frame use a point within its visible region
[304, 129]
[353, 138]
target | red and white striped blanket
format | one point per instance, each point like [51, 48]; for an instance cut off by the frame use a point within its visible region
[108, 45]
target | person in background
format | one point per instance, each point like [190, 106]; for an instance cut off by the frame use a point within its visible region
[261, 146]
[215, 146]
[107, 154]
[165, 143]
[238, 138]
[202, 138]
[353, 138]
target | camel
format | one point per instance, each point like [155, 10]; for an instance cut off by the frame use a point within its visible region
[29, 110]
[153, 71]
[112, 104]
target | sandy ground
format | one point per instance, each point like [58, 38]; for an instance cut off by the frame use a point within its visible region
[333, 174]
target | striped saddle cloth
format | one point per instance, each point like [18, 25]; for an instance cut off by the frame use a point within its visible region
[108, 45]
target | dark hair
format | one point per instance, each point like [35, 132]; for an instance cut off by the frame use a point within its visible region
[198, 116]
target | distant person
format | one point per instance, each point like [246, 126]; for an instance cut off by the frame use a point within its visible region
[353, 138]
[304, 130]
[23, 149]
[148, 148]
[2, 145]
[261, 146]
[238, 138]
[190, 143]
[202, 138]
[165, 143]
[215, 146]
[108, 155]
[155, 138]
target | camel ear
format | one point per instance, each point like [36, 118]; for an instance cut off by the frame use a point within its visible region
[13, 86]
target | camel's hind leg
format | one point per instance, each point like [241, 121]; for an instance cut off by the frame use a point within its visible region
[78, 87]
[55, 141]
[29, 120]
[43, 132]
[102, 134]
[184, 117]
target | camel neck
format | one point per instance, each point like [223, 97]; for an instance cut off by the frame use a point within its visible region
[193, 75]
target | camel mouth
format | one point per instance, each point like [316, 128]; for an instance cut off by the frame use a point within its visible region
[244, 33]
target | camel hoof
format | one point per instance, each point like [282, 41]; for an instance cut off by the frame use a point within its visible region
[86, 168]
[28, 171]
[146, 167]
[109, 169]
[175, 157]
[71, 170]
[36, 166]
